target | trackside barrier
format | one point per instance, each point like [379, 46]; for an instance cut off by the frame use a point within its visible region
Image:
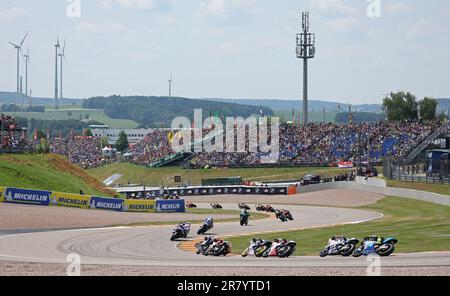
[169, 206]
[70, 200]
[2, 194]
[47, 198]
[143, 206]
[27, 196]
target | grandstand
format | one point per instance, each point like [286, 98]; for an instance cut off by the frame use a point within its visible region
[12, 137]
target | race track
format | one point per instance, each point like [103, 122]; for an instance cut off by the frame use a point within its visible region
[150, 246]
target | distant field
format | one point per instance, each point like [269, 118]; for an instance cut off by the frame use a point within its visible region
[419, 227]
[314, 116]
[76, 111]
[46, 172]
[158, 176]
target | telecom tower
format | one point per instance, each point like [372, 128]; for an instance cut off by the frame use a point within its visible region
[306, 49]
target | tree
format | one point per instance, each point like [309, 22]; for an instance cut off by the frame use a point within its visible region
[88, 132]
[41, 135]
[122, 142]
[428, 108]
[400, 106]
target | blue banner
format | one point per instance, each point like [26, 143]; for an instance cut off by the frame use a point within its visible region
[168, 206]
[26, 196]
[103, 203]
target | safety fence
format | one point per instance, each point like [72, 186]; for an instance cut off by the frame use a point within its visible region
[52, 198]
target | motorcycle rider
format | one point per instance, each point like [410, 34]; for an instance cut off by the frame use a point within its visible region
[185, 227]
[209, 222]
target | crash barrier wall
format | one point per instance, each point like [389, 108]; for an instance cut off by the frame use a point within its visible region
[2, 192]
[48, 198]
[215, 190]
[388, 191]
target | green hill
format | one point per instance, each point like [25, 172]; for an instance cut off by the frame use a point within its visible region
[47, 172]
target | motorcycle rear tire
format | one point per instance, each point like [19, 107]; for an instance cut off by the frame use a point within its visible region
[350, 251]
[261, 251]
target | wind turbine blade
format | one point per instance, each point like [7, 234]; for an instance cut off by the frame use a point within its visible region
[23, 40]
[64, 47]
[15, 45]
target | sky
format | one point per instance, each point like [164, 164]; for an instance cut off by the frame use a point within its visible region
[230, 48]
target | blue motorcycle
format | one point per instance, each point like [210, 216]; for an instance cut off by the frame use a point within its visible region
[339, 245]
[376, 245]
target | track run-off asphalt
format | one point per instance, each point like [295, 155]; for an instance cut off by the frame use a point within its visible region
[151, 246]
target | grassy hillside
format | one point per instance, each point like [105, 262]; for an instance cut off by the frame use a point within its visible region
[75, 112]
[47, 172]
[419, 227]
[156, 176]
[314, 116]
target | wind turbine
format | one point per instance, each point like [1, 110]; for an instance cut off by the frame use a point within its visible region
[170, 85]
[57, 46]
[61, 56]
[19, 50]
[27, 61]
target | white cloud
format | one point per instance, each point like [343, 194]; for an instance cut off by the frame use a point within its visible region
[334, 6]
[398, 8]
[131, 4]
[97, 28]
[13, 13]
[165, 20]
[222, 8]
[214, 8]
[342, 24]
[421, 28]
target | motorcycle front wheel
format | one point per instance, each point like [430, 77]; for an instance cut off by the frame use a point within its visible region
[358, 252]
[324, 253]
[386, 251]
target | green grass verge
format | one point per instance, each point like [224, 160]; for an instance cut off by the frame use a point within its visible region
[419, 227]
[158, 176]
[203, 213]
[46, 172]
[435, 188]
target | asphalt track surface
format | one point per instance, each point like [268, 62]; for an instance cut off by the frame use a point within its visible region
[150, 246]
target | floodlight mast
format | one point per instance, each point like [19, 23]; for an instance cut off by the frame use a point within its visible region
[306, 49]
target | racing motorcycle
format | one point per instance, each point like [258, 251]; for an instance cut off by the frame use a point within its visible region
[376, 245]
[339, 245]
[203, 247]
[220, 248]
[181, 231]
[257, 247]
[244, 218]
[280, 215]
[216, 206]
[190, 205]
[281, 248]
[288, 214]
[208, 224]
[243, 206]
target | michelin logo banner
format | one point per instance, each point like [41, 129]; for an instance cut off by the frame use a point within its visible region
[143, 206]
[69, 200]
[167, 206]
[103, 203]
[25, 196]
[2, 194]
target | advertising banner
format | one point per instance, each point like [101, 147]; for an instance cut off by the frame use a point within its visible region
[345, 165]
[70, 200]
[168, 206]
[142, 206]
[292, 190]
[103, 203]
[26, 196]
[2, 194]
